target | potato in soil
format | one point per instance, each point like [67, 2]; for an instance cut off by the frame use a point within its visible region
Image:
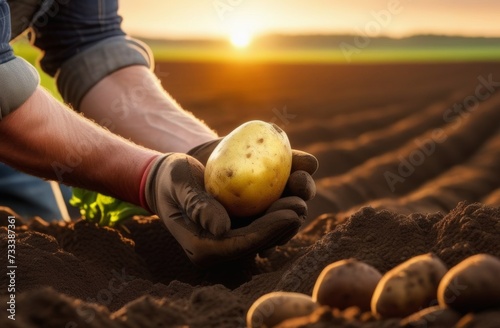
[346, 283]
[408, 287]
[273, 308]
[472, 285]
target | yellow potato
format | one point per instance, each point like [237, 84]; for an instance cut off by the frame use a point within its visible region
[273, 308]
[249, 168]
[408, 287]
[346, 283]
[471, 285]
[432, 317]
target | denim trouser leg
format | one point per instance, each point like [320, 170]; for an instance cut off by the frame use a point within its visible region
[30, 196]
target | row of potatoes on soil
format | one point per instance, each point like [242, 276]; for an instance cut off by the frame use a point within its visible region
[420, 282]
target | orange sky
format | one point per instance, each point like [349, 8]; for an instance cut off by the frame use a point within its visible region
[221, 18]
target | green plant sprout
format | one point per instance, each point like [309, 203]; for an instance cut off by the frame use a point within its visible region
[103, 210]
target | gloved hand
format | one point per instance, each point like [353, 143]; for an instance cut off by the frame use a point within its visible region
[175, 191]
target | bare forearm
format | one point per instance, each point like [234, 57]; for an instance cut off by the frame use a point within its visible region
[46, 139]
[132, 103]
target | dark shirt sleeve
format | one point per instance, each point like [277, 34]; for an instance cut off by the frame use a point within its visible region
[18, 79]
[82, 42]
[6, 53]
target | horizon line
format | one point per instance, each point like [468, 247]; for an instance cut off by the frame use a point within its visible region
[312, 34]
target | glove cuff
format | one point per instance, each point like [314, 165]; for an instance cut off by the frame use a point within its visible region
[142, 188]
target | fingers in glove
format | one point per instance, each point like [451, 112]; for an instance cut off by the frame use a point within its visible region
[198, 205]
[293, 203]
[304, 161]
[209, 213]
[301, 184]
[272, 229]
[202, 152]
[205, 250]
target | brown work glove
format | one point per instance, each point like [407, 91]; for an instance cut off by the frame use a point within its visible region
[175, 191]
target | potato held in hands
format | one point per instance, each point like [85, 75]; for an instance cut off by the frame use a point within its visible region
[249, 168]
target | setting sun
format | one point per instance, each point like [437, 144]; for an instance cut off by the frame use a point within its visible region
[241, 39]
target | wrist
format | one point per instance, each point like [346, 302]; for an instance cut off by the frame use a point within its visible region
[144, 179]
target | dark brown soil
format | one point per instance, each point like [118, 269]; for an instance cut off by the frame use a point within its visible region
[90, 275]
[361, 122]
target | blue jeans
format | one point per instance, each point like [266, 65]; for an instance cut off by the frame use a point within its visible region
[29, 196]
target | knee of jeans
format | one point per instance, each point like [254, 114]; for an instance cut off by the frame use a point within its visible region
[70, 27]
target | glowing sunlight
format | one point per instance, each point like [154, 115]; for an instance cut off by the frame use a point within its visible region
[241, 39]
